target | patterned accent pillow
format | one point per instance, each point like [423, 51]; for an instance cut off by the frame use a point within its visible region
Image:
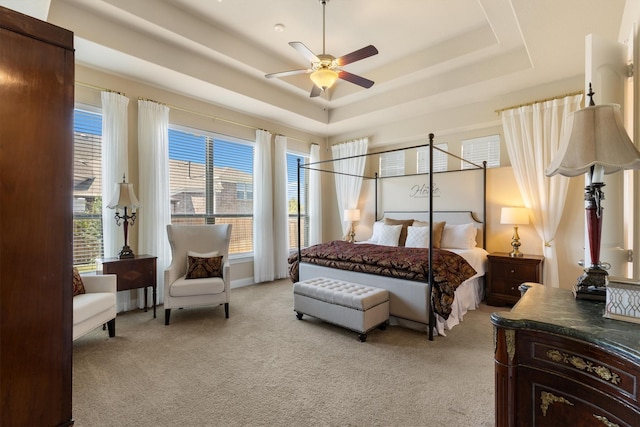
[389, 235]
[200, 268]
[78, 286]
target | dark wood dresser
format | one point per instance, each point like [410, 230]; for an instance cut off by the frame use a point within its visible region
[558, 362]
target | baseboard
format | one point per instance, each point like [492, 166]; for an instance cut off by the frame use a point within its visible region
[242, 282]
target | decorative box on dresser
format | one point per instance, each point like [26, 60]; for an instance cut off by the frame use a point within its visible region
[506, 273]
[559, 362]
[36, 221]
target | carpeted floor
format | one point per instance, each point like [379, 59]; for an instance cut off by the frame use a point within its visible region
[263, 367]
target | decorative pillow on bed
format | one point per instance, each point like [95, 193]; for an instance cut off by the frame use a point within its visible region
[389, 235]
[417, 237]
[403, 233]
[459, 236]
[202, 265]
[375, 236]
[438, 227]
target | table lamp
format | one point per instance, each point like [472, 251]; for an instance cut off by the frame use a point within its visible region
[123, 198]
[598, 144]
[351, 215]
[515, 217]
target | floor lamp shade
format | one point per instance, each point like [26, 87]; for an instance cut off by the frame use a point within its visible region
[597, 144]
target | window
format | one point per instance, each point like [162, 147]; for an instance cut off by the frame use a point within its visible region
[211, 181]
[392, 163]
[87, 189]
[439, 159]
[478, 150]
[292, 198]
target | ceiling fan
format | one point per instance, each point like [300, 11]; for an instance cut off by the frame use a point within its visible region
[326, 69]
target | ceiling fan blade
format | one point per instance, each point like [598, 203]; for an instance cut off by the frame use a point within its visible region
[287, 73]
[305, 51]
[315, 91]
[357, 55]
[360, 81]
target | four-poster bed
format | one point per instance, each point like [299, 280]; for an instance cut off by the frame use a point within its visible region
[427, 287]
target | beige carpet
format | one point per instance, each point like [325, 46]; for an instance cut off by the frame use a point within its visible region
[263, 367]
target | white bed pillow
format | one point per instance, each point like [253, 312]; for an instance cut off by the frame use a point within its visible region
[389, 235]
[375, 236]
[459, 236]
[417, 237]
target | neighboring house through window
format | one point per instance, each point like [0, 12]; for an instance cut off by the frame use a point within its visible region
[211, 181]
[87, 188]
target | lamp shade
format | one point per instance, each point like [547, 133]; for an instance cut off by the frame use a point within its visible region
[514, 216]
[324, 78]
[597, 138]
[124, 197]
[351, 215]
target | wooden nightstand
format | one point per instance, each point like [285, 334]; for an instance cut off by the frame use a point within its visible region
[134, 273]
[506, 273]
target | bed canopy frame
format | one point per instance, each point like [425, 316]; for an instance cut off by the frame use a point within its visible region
[318, 166]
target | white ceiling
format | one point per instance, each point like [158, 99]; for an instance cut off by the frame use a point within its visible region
[434, 54]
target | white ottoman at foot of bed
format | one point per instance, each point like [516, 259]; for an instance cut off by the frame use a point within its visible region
[353, 306]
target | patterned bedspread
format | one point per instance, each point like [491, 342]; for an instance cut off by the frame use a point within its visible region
[450, 269]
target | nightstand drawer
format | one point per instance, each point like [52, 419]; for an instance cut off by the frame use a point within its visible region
[507, 287]
[513, 271]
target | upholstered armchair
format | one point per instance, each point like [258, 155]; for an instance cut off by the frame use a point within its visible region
[199, 273]
[96, 305]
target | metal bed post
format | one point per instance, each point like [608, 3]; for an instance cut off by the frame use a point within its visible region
[432, 317]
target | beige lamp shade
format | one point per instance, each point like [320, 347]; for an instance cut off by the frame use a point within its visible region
[597, 138]
[514, 216]
[124, 197]
[351, 215]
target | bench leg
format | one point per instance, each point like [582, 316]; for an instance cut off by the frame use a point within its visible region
[111, 325]
[362, 337]
[226, 310]
[167, 315]
[299, 315]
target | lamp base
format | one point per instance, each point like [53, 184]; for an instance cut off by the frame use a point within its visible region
[592, 285]
[126, 252]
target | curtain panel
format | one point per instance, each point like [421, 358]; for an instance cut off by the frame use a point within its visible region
[153, 193]
[314, 198]
[348, 177]
[263, 256]
[533, 134]
[280, 209]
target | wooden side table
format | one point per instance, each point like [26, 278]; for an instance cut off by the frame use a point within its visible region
[506, 274]
[134, 273]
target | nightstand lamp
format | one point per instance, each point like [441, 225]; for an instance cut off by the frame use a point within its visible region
[515, 217]
[351, 215]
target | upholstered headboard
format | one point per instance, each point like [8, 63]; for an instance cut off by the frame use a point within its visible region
[451, 217]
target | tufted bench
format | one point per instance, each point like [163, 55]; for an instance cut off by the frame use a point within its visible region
[350, 305]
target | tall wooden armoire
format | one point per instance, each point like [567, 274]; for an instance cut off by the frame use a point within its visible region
[36, 182]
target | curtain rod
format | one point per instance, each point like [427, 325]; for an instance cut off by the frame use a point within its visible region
[175, 107]
[579, 92]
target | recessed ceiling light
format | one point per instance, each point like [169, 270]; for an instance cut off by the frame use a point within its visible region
[279, 28]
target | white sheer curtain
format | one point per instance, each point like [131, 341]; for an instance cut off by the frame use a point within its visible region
[348, 185]
[314, 198]
[533, 135]
[263, 257]
[115, 163]
[280, 209]
[153, 192]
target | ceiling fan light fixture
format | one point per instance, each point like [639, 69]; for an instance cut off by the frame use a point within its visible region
[324, 78]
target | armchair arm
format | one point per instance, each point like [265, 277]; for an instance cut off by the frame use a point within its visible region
[100, 283]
